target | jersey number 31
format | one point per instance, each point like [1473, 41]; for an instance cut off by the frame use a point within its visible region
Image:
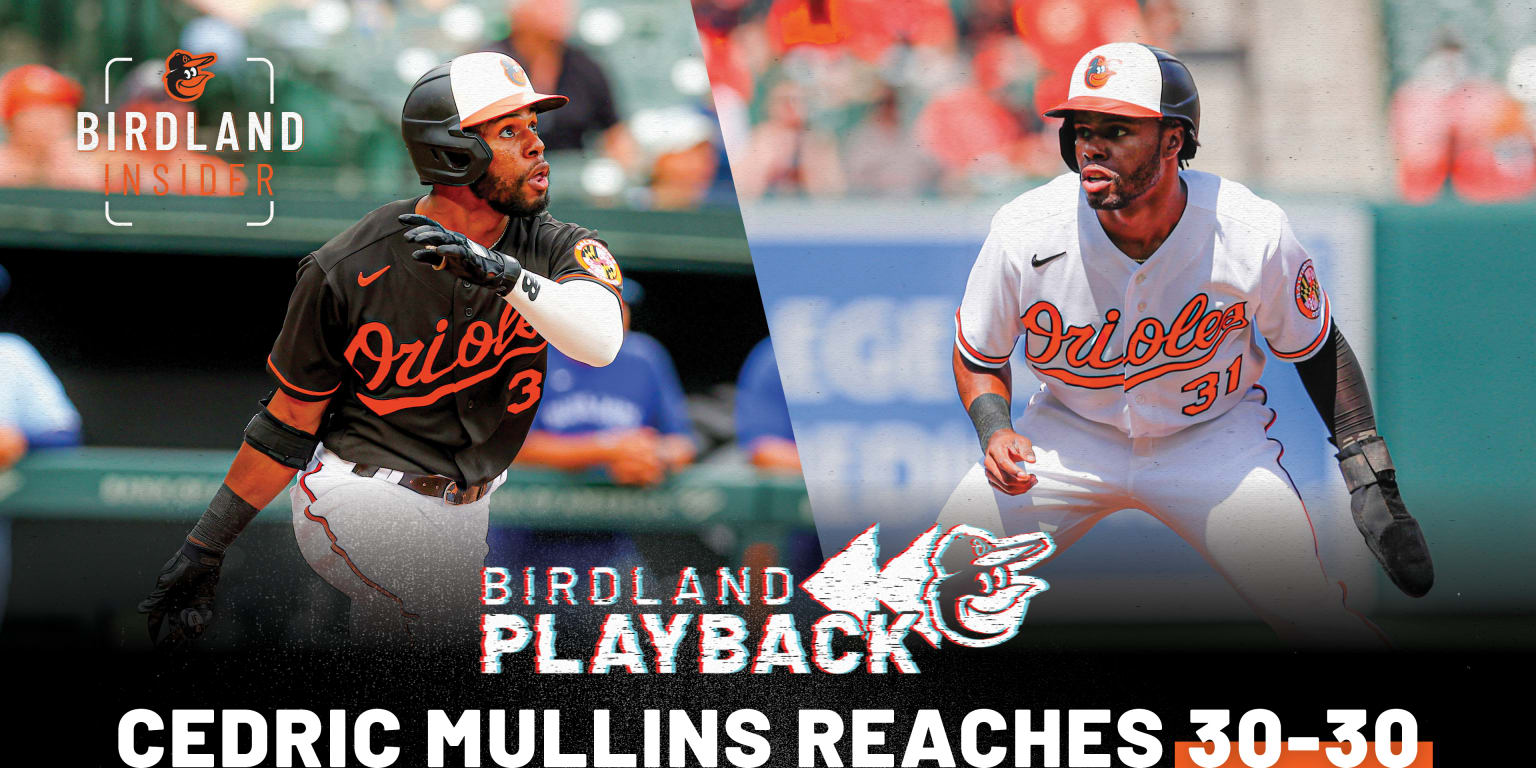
[1205, 387]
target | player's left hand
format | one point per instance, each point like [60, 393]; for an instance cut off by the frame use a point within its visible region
[182, 600]
[1377, 506]
[466, 259]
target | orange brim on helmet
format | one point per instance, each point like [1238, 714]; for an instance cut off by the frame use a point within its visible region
[1101, 104]
[538, 102]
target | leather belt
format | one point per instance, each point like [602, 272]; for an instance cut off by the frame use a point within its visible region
[436, 486]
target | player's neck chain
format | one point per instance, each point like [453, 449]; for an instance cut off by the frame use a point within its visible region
[505, 225]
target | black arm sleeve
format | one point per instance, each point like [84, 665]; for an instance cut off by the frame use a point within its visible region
[1335, 382]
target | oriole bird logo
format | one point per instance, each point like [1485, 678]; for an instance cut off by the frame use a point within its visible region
[185, 76]
[1098, 72]
[979, 591]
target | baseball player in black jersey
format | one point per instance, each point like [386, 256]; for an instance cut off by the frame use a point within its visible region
[409, 368]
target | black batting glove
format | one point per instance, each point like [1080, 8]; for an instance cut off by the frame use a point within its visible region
[464, 258]
[182, 601]
[1377, 506]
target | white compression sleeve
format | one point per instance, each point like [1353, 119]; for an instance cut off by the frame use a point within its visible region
[580, 317]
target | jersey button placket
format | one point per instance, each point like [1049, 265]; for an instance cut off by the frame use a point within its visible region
[1130, 317]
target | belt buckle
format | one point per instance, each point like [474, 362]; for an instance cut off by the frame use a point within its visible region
[451, 492]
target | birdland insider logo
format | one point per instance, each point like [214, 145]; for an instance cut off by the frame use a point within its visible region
[962, 585]
[149, 142]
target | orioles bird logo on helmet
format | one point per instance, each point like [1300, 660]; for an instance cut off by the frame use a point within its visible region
[1098, 72]
[184, 77]
[515, 73]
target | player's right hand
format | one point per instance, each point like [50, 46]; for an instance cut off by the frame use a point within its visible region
[1006, 450]
[181, 603]
[466, 259]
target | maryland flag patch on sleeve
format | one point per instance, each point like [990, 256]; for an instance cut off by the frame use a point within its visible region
[594, 257]
[1309, 295]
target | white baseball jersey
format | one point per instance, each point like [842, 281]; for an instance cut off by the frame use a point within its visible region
[1147, 348]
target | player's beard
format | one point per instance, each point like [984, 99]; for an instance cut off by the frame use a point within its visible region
[507, 199]
[1127, 187]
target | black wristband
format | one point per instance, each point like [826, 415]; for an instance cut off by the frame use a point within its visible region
[226, 516]
[1364, 461]
[201, 555]
[989, 413]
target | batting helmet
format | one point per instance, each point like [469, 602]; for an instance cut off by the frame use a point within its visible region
[452, 97]
[1133, 80]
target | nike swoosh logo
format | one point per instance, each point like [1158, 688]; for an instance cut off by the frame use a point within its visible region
[364, 281]
[1036, 261]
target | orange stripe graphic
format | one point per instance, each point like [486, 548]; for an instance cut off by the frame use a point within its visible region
[1304, 759]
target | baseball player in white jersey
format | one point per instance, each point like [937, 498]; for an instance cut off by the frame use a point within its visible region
[1145, 296]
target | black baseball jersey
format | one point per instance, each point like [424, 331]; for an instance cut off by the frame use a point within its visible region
[425, 372]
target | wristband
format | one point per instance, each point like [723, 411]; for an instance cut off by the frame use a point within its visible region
[226, 516]
[989, 413]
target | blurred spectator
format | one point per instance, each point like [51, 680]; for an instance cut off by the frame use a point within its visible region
[540, 41]
[867, 28]
[628, 417]
[37, 106]
[34, 414]
[1448, 123]
[174, 171]
[968, 131]
[873, 143]
[762, 415]
[785, 154]
[34, 411]
[682, 157]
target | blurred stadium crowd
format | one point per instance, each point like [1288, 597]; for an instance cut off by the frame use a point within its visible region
[865, 98]
[639, 133]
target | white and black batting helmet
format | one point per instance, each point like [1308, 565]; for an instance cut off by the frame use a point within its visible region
[1132, 80]
[452, 97]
